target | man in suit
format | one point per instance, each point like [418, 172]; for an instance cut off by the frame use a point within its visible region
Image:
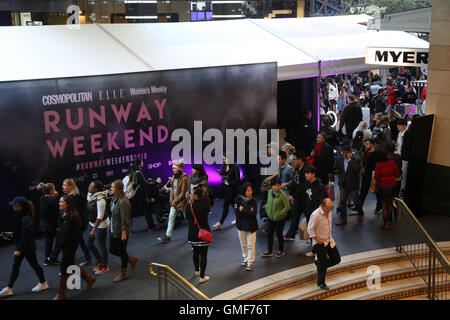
[351, 117]
[348, 169]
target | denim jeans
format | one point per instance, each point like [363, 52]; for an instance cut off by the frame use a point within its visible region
[171, 222]
[248, 244]
[100, 235]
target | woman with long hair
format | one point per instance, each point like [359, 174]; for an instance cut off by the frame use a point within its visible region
[71, 234]
[246, 210]
[98, 224]
[199, 178]
[49, 208]
[200, 209]
[135, 188]
[70, 188]
[121, 229]
[25, 245]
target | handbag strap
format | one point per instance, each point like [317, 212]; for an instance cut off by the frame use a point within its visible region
[192, 210]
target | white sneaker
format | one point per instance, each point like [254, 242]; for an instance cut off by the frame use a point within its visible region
[6, 292]
[197, 273]
[203, 280]
[218, 225]
[40, 287]
[309, 254]
[233, 222]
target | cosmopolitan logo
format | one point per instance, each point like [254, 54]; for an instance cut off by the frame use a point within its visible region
[66, 98]
[396, 56]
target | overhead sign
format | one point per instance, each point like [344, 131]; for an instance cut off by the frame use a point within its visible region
[397, 57]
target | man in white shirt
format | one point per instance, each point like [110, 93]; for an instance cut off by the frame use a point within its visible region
[401, 126]
[333, 93]
[319, 228]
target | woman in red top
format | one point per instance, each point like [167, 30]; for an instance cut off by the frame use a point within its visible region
[392, 93]
[386, 173]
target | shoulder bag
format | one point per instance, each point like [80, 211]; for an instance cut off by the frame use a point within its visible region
[203, 234]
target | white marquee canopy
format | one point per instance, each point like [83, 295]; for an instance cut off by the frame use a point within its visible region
[303, 47]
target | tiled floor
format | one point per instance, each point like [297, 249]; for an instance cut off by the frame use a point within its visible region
[224, 257]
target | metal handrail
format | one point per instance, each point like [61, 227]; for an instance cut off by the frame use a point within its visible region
[179, 282]
[434, 252]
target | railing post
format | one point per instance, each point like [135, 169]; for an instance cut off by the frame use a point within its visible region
[399, 216]
[433, 287]
[165, 284]
[429, 275]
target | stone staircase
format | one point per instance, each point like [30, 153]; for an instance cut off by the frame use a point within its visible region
[347, 281]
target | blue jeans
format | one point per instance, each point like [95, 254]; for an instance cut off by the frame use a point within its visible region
[100, 234]
[171, 223]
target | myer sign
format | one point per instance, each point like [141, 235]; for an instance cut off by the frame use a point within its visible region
[397, 57]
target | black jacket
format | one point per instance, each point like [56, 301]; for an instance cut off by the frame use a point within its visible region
[379, 104]
[406, 146]
[246, 219]
[351, 117]
[369, 161]
[71, 230]
[23, 232]
[349, 179]
[233, 176]
[314, 195]
[324, 163]
[201, 210]
[297, 189]
[80, 206]
[409, 97]
[49, 210]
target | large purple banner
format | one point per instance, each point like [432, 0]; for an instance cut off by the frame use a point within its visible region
[91, 127]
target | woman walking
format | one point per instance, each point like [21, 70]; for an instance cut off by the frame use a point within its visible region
[231, 180]
[98, 225]
[49, 208]
[246, 210]
[197, 214]
[121, 229]
[25, 245]
[70, 188]
[71, 234]
[199, 178]
[277, 208]
[386, 173]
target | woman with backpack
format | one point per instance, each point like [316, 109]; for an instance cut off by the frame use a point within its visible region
[25, 245]
[98, 225]
[135, 188]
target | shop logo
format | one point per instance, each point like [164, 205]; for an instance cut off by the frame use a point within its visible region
[74, 280]
[255, 149]
[374, 280]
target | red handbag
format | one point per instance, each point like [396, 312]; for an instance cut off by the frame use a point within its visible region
[203, 234]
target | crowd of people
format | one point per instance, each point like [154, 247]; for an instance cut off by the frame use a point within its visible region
[364, 154]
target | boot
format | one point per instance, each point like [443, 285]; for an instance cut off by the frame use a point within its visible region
[62, 288]
[121, 276]
[132, 260]
[86, 277]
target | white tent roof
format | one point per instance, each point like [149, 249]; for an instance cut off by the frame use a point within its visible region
[297, 45]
